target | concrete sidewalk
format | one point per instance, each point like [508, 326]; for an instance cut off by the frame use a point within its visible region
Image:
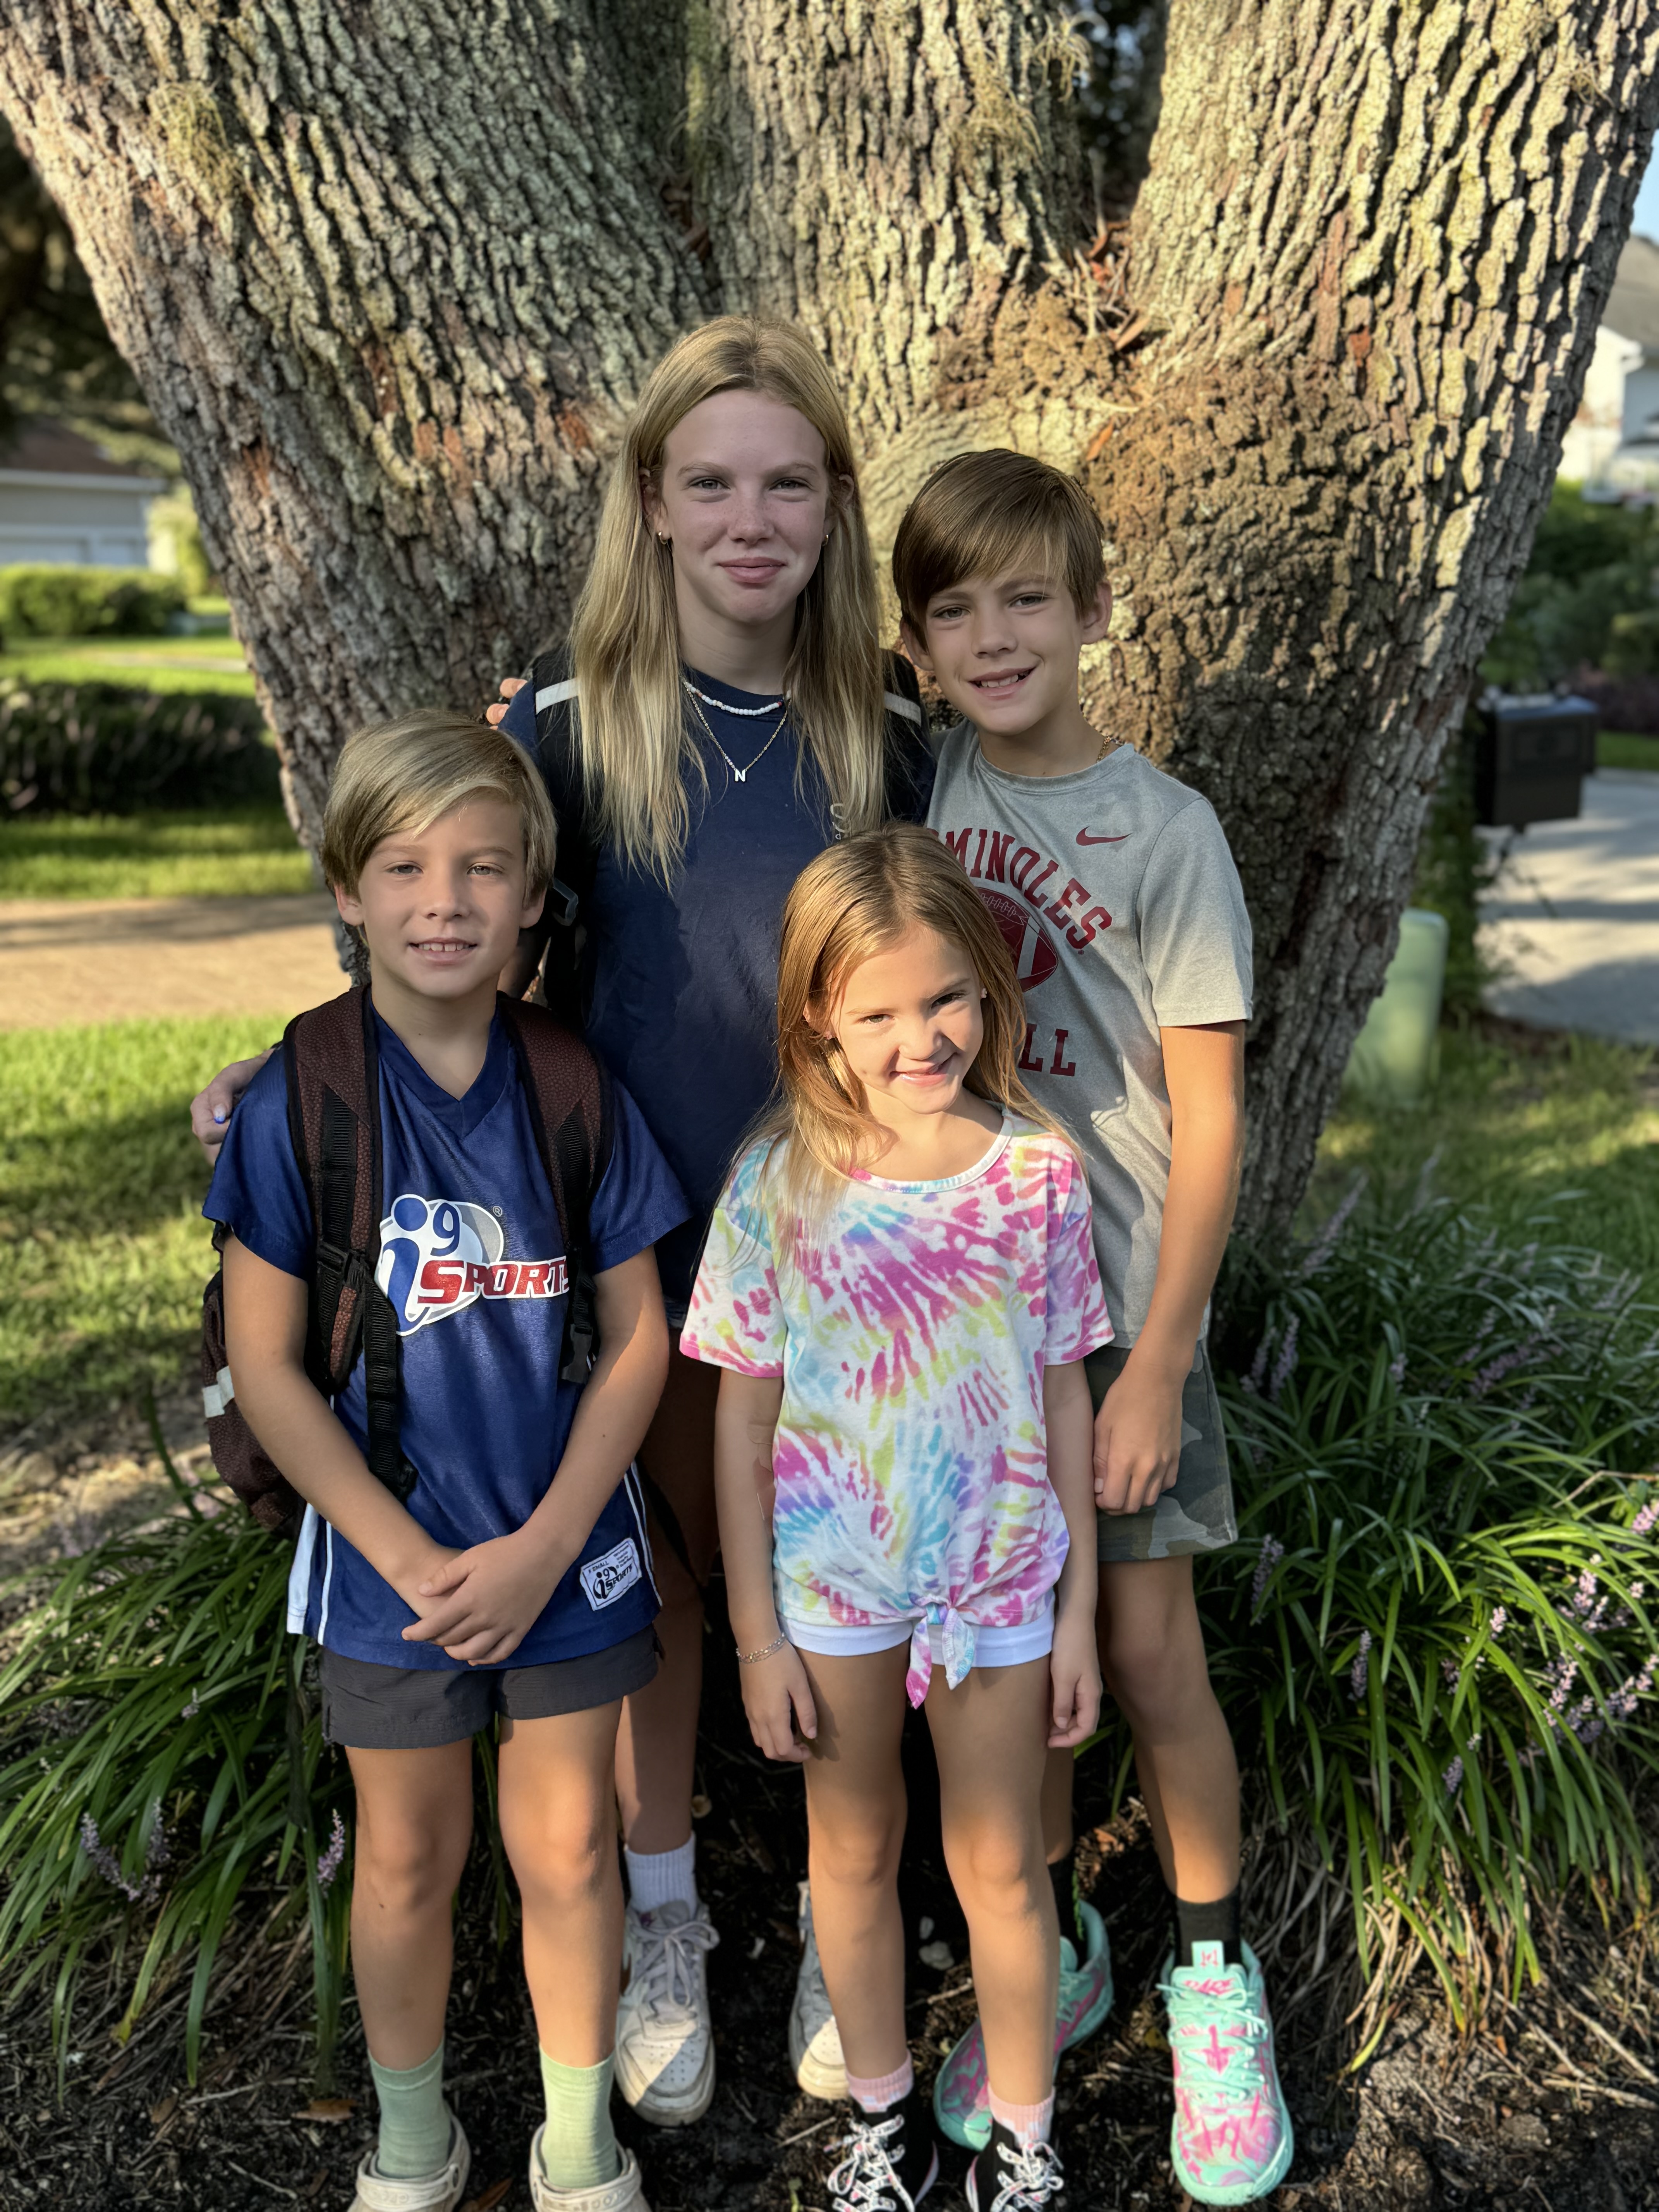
[1573, 920]
[109, 960]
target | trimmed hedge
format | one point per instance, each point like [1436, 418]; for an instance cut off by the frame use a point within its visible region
[101, 749]
[47, 599]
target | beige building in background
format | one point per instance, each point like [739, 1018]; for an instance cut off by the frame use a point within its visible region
[1613, 443]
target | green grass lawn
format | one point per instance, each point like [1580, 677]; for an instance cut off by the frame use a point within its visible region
[1559, 1131]
[243, 851]
[1618, 749]
[103, 1252]
[160, 664]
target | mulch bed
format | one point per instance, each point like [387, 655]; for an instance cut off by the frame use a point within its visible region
[1556, 2105]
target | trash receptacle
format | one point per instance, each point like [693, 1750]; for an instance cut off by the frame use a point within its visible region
[1393, 1055]
[1531, 756]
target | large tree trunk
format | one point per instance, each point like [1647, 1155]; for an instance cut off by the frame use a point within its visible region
[390, 277]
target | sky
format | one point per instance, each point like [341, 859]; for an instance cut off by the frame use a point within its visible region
[1647, 204]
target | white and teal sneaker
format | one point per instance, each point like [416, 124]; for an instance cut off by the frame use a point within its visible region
[1231, 2142]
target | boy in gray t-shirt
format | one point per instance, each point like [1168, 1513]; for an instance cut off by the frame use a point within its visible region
[1118, 896]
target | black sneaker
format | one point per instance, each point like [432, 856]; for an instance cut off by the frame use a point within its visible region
[1005, 2179]
[891, 2160]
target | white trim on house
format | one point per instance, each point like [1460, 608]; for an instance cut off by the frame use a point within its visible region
[63, 480]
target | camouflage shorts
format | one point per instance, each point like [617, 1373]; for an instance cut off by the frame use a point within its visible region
[1197, 1515]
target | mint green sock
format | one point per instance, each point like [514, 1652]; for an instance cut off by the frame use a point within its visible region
[579, 2144]
[414, 2125]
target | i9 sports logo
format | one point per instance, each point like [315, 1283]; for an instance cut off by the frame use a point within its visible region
[439, 1255]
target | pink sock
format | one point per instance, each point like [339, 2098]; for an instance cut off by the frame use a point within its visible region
[881, 2091]
[1026, 2123]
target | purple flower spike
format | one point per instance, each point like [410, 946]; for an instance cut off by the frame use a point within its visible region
[1271, 1552]
[1361, 1668]
[329, 1865]
[143, 1892]
[1453, 1778]
[1643, 1524]
[1326, 1243]
[1500, 1620]
[1285, 1365]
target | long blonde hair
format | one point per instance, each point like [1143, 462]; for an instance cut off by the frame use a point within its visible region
[853, 902]
[629, 715]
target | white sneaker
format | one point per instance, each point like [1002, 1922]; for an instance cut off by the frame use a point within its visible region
[625, 2193]
[425, 2192]
[665, 2039]
[814, 2039]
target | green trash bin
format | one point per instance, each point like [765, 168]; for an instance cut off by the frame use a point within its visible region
[1395, 1055]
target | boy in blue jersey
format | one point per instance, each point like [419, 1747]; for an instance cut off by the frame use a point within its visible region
[513, 1582]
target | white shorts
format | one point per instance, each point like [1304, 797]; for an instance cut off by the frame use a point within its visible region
[993, 1646]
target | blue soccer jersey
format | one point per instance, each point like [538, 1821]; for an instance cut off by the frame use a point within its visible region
[474, 1265]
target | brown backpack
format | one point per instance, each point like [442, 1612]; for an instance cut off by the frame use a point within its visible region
[331, 1063]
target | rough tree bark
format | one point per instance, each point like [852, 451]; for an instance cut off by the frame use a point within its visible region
[389, 277]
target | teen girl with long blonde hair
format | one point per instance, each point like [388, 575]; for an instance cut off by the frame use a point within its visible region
[899, 1285]
[722, 713]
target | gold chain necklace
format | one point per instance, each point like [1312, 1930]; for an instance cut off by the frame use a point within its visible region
[738, 775]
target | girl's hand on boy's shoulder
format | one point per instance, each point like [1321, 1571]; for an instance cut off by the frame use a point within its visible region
[510, 687]
[1074, 1674]
[480, 1604]
[777, 1698]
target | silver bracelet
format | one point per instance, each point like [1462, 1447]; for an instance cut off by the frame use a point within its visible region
[766, 1652]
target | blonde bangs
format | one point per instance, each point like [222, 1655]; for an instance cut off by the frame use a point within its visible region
[637, 755]
[397, 778]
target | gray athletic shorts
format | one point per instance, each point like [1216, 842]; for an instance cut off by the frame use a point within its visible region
[1197, 1515]
[369, 1707]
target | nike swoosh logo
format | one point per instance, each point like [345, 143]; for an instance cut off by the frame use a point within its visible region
[1088, 837]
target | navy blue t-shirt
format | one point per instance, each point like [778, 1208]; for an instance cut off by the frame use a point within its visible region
[473, 1262]
[681, 983]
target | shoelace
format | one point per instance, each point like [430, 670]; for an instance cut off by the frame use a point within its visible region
[1243, 2076]
[666, 1964]
[1029, 2180]
[861, 2182]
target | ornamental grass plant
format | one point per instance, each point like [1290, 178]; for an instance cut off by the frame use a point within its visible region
[162, 1771]
[1438, 1636]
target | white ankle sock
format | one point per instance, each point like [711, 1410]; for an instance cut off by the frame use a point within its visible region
[657, 1878]
[1027, 2123]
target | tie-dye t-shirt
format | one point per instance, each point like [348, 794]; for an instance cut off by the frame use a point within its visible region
[911, 1331]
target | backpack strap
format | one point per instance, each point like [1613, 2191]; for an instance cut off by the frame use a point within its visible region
[907, 755]
[332, 1062]
[555, 691]
[571, 1112]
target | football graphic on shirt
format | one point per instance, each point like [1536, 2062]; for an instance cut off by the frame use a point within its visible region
[1035, 956]
[440, 1256]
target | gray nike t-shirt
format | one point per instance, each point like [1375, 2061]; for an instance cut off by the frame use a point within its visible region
[1120, 905]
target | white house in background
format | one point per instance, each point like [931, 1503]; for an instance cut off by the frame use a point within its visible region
[60, 500]
[1614, 442]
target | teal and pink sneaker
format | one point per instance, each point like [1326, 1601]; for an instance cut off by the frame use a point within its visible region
[960, 2100]
[1232, 2141]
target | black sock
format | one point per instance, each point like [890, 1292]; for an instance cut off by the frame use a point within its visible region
[1208, 1923]
[1062, 1874]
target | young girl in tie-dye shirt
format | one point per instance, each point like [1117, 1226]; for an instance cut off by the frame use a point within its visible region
[899, 1283]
